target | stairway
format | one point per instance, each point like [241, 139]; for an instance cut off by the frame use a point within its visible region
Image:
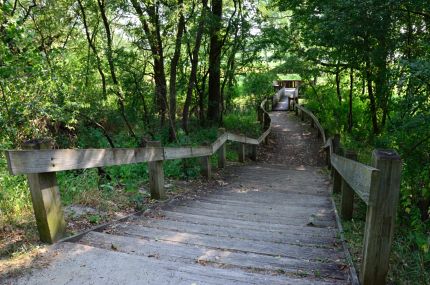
[268, 222]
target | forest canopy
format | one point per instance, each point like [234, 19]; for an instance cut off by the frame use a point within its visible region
[93, 74]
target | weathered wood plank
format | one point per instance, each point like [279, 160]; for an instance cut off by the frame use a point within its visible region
[186, 152]
[222, 150]
[45, 196]
[234, 244]
[347, 196]
[359, 177]
[264, 135]
[206, 167]
[380, 218]
[314, 120]
[220, 141]
[295, 219]
[39, 161]
[90, 265]
[156, 175]
[294, 236]
[189, 254]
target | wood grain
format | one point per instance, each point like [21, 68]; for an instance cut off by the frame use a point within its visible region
[360, 177]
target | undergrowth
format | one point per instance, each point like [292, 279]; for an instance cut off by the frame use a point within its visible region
[116, 188]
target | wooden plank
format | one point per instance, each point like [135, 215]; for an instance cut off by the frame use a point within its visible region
[222, 150]
[249, 225]
[337, 178]
[45, 196]
[241, 139]
[156, 176]
[325, 220]
[301, 212]
[287, 236]
[358, 176]
[188, 254]
[70, 263]
[40, 161]
[380, 218]
[236, 138]
[264, 135]
[314, 120]
[235, 244]
[253, 152]
[241, 152]
[206, 167]
[220, 141]
[347, 198]
[186, 152]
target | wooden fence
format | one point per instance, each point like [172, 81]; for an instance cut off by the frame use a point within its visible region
[40, 164]
[377, 185]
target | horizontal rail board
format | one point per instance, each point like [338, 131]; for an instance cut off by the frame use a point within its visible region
[241, 139]
[49, 160]
[360, 177]
[219, 142]
[186, 152]
[264, 135]
[317, 123]
[53, 160]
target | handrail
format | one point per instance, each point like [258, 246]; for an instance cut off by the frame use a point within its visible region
[363, 179]
[315, 120]
[378, 186]
[41, 166]
[54, 160]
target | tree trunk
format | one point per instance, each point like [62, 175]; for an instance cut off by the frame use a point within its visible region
[156, 44]
[351, 89]
[194, 65]
[173, 70]
[371, 98]
[117, 91]
[93, 48]
[213, 113]
[339, 95]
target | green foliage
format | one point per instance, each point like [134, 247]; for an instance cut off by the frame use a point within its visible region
[243, 123]
[258, 86]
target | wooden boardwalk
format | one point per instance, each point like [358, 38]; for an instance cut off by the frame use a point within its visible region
[271, 222]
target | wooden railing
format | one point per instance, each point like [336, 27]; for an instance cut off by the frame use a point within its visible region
[41, 164]
[377, 185]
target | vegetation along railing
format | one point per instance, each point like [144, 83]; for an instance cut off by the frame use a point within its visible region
[41, 164]
[377, 185]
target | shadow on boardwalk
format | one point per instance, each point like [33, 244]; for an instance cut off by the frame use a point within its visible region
[268, 222]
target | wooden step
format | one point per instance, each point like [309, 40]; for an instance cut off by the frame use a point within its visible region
[76, 264]
[205, 256]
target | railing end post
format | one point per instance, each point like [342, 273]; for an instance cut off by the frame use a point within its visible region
[156, 175]
[46, 200]
[380, 217]
[221, 150]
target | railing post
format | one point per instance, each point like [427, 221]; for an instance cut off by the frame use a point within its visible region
[221, 150]
[266, 126]
[337, 179]
[156, 175]
[206, 169]
[253, 152]
[260, 115]
[47, 206]
[241, 151]
[205, 166]
[380, 217]
[335, 145]
[296, 110]
[302, 115]
[347, 199]
[327, 157]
